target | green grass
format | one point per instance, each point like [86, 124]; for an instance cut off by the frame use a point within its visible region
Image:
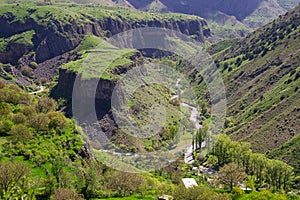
[25, 38]
[289, 152]
[133, 197]
[101, 61]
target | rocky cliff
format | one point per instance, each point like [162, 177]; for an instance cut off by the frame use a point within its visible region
[55, 34]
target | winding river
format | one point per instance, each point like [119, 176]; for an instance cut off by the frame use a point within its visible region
[188, 154]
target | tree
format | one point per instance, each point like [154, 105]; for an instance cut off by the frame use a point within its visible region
[198, 193]
[57, 121]
[66, 194]
[257, 167]
[39, 122]
[92, 180]
[20, 132]
[19, 118]
[231, 175]
[249, 183]
[13, 178]
[125, 183]
[27, 71]
[46, 105]
[221, 149]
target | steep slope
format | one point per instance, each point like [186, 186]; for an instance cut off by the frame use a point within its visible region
[227, 19]
[156, 6]
[44, 34]
[262, 78]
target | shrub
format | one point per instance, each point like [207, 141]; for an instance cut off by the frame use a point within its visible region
[125, 183]
[2, 85]
[225, 66]
[57, 121]
[40, 122]
[6, 126]
[66, 194]
[46, 105]
[13, 179]
[27, 71]
[20, 132]
[19, 118]
[33, 65]
[237, 192]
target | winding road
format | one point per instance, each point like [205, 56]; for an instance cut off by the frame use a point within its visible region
[41, 89]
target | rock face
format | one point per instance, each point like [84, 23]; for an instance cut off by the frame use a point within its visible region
[104, 90]
[54, 38]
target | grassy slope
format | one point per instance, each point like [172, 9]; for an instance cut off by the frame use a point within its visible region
[289, 152]
[62, 11]
[262, 91]
[44, 147]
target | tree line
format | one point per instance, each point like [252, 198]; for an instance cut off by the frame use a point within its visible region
[267, 173]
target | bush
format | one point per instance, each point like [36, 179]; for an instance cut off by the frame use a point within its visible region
[19, 118]
[20, 132]
[40, 122]
[2, 85]
[66, 194]
[13, 179]
[46, 105]
[237, 192]
[27, 71]
[198, 193]
[57, 121]
[33, 65]
[6, 126]
[225, 66]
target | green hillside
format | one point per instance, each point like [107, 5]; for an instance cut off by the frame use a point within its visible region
[261, 73]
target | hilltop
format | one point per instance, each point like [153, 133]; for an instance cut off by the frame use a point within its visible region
[227, 19]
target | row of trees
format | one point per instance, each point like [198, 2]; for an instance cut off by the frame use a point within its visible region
[273, 174]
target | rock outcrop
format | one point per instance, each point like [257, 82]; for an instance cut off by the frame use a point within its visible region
[53, 37]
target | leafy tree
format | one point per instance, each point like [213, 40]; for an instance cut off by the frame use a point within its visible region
[93, 179]
[28, 111]
[27, 71]
[13, 94]
[125, 183]
[65, 179]
[57, 121]
[46, 105]
[237, 192]
[5, 126]
[20, 132]
[231, 175]
[279, 174]
[257, 167]
[19, 118]
[66, 194]
[13, 178]
[5, 109]
[249, 183]
[221, 149]
[2, 85]
[198, 193]
[40, 122]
